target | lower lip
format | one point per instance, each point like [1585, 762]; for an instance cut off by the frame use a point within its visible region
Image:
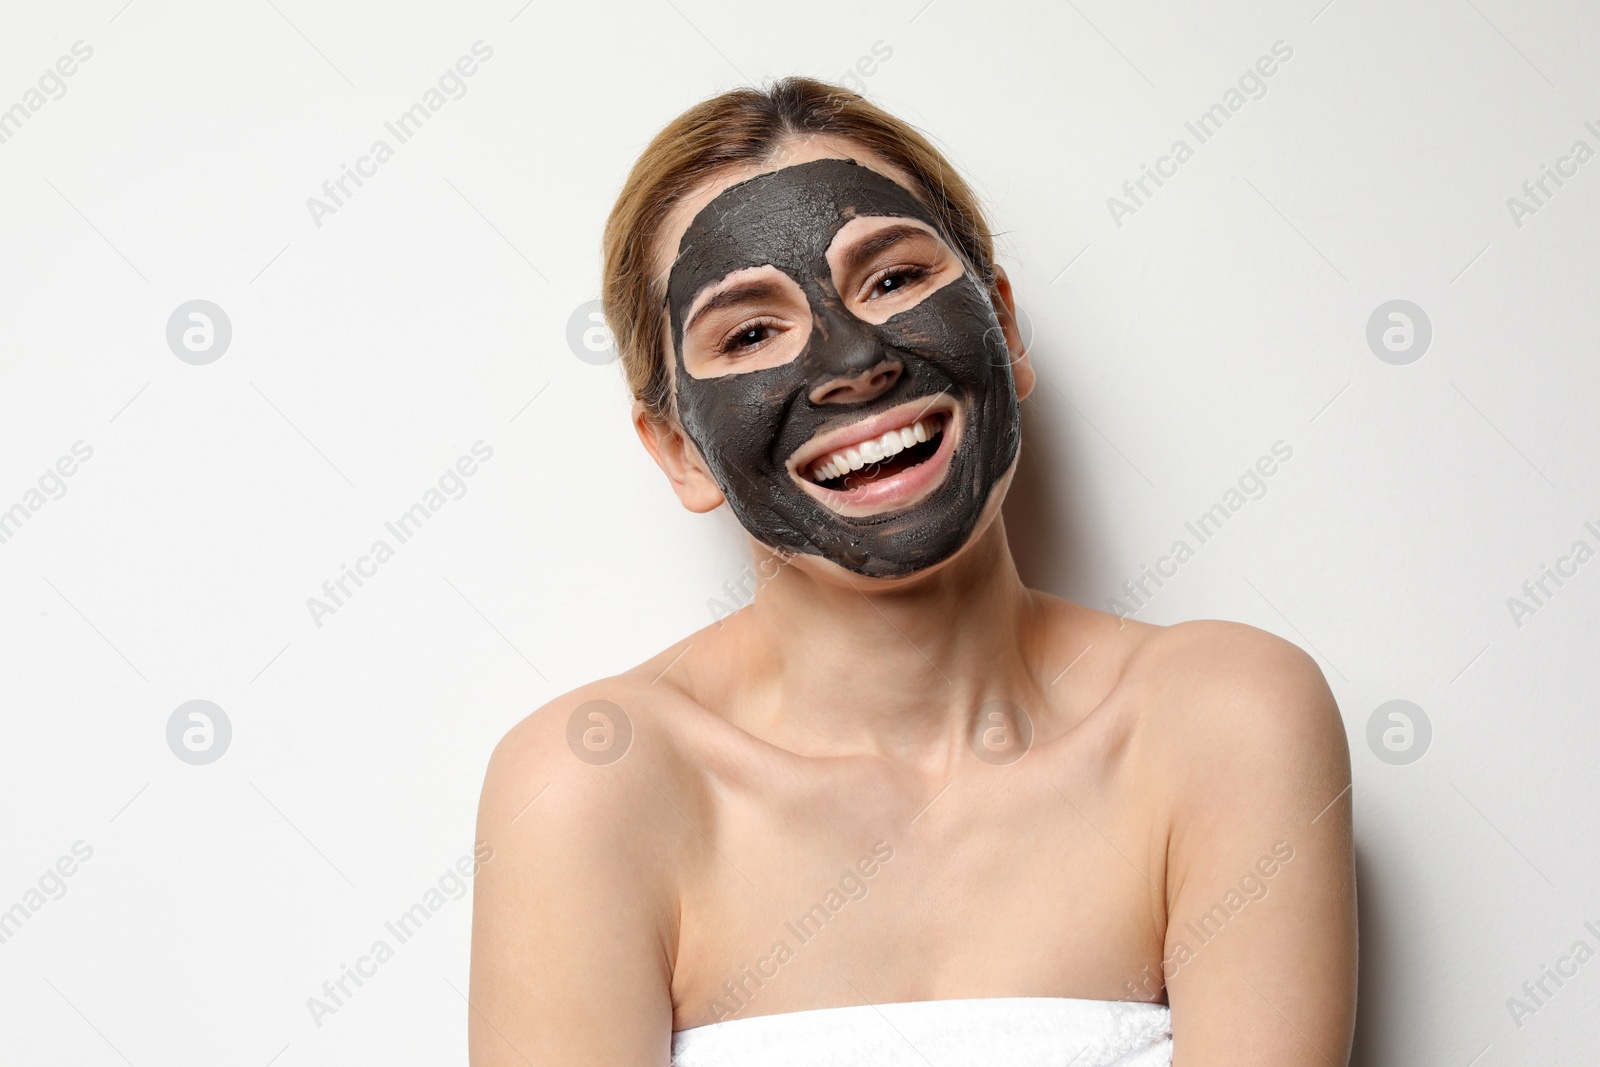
[899, 491]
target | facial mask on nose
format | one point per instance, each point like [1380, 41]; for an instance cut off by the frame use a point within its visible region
[748, 424]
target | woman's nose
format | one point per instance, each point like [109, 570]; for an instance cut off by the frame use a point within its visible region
[852, 363]
[870, 383]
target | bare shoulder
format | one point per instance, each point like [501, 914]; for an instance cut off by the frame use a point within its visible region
[1213, 649]
[1238, 717]
[583, 822]
[593, 757]
[1247, 772]
[1233, 693]
[1231, 674]
[596, 795]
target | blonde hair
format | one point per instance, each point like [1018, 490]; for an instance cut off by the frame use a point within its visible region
[741, 127]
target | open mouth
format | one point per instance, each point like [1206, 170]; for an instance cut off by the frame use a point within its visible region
[880, 458]
[883, 463]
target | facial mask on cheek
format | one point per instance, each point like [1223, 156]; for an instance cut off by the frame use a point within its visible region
[748, 424]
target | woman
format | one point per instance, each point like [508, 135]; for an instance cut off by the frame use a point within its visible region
[900, 809]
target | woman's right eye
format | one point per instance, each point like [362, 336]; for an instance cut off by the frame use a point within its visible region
[745, 337]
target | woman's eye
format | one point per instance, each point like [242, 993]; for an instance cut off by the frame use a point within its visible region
[895, 280]
[746, 337]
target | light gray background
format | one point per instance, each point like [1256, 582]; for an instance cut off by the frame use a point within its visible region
[431, 311]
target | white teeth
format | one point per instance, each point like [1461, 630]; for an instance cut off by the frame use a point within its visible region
[876, 450]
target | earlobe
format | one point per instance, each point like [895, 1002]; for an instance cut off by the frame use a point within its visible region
[678, 459]
[1022, 373]
[1021, 366]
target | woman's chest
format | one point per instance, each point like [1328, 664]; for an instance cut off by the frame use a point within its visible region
[995, 885]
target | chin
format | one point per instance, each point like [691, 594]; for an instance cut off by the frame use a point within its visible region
[822, 568]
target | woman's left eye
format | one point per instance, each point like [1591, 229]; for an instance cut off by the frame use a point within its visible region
[893, 280]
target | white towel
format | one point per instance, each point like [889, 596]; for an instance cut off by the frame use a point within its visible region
[1013, 1031]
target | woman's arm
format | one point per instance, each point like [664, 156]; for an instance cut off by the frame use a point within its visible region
[572, 921]
[1260, 951]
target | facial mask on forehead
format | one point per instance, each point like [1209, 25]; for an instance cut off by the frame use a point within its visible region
[748, 424]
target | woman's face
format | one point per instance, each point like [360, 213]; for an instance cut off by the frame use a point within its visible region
[842, 372]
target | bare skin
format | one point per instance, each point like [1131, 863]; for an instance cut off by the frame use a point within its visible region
[1179, 830]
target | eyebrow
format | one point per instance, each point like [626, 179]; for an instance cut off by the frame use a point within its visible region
[880, 240]
[738, 294]
[854, 256]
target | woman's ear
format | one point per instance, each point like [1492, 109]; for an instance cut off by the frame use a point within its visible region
[678, 458]
[1021, 366]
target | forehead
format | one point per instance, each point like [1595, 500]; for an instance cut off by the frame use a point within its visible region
[786, 217]
[687, 211]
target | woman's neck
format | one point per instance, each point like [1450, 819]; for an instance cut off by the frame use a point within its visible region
[830, 669]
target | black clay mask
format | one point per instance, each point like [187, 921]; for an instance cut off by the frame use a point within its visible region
[750, 423]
